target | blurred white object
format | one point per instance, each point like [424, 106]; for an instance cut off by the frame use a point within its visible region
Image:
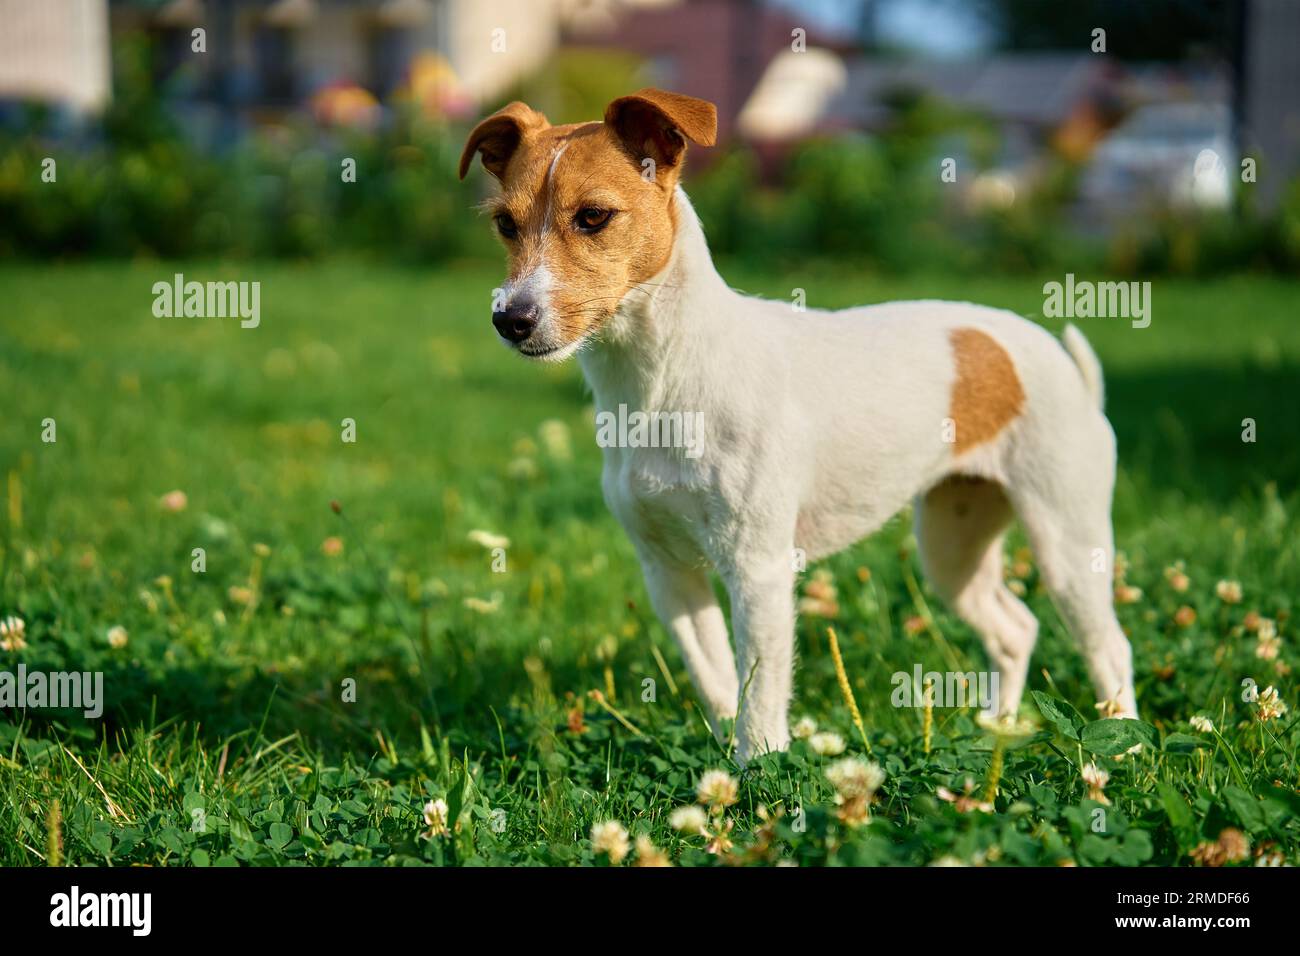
[792, 95]
[55, 51]
[1173, 153]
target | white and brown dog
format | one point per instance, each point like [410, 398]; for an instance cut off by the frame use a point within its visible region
[819, 425]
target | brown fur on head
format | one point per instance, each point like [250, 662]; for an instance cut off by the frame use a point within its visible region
[586, 210]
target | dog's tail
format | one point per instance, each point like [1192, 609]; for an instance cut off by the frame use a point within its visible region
[1086, 359]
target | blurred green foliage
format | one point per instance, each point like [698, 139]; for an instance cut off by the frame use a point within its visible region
[137, 185]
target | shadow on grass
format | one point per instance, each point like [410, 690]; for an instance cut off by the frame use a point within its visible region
[1181, 429]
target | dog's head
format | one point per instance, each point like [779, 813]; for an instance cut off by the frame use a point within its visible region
[585, 212]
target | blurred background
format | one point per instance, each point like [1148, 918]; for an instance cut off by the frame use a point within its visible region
[835, 116]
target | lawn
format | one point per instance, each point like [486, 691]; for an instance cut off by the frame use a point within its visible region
[332, 670]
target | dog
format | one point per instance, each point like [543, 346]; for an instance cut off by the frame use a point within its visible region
[819, 425]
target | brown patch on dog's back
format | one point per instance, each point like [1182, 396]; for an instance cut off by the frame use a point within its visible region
[986, 394]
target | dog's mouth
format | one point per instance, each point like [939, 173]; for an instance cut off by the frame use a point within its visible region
[540, 352]
[553, 352]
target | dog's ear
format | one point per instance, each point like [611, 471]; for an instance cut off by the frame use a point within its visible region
[498, 136]
[657, 124]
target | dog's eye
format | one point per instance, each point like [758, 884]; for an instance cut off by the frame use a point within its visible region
[506, 225]
[591, 219]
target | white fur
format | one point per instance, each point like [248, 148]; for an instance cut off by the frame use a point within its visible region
[818, 427]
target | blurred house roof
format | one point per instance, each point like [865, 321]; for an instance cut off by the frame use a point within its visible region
[1037, 89]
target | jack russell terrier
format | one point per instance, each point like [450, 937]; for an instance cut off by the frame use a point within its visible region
[819, 425]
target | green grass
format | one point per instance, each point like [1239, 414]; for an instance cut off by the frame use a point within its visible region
[237, 709]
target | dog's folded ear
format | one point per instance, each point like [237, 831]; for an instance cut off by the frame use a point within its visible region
[498, 136]
[656, 123]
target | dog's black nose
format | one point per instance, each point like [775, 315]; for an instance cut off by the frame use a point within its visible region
[517, 322]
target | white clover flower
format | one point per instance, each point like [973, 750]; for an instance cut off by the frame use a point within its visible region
[827, 743]
[1096, 779]
[1229, 592]
[13, 631]
[717, 789]
[610, 838]
[1203, 724]
[117, 637]
[647, 854]
[1271, 706]
[688, 820]
[435, 817]
[855, 777]
[803, 728]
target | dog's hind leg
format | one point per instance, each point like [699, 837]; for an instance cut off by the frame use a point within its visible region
[959, 528]
[1074, 544]
[684, 600]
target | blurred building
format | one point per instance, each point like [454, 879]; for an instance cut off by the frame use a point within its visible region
[717, 50]
[1268, 102]
[266, 54]
[55, 51]
[263, 56]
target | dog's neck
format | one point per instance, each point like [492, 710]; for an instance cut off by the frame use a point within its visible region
[636, 358]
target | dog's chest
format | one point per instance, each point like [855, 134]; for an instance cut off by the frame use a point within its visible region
[661, 499]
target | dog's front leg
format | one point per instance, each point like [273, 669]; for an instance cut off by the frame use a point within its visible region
[685, 603]
[762, 613]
